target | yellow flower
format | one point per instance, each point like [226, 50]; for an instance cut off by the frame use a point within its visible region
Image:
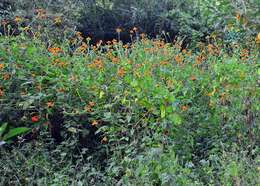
[258, 38]
[17, 19]
[94, 123]
[121, 72]
[57, 20]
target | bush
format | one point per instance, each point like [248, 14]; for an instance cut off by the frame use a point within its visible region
[111, 107]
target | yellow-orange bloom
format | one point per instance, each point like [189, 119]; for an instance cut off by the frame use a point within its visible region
[178, 59]
[94, 123]
[54, 50]
[1, 66]
[238, 16]
[258, 38]
[17, 19]
[121, 72]
[184, 108]
[193, 78]
[57, 20]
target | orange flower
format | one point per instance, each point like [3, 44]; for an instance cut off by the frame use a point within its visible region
[193, 78]
[238, 16]
[35, 119]
[198, 60]
[244, 54]
[1, 66]
[54, 50]
[97, 63]
[184, 108]
[121, 72]
[94, 123]
[115, 60]
[178, 59]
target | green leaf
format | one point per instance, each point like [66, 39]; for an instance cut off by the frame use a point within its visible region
[3, 128]
[175, 118]
[15, 132]
[163, 111]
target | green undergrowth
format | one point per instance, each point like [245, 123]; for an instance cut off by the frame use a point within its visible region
[149, 113]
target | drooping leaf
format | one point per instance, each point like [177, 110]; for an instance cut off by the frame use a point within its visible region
[3, 128]
[15, 132]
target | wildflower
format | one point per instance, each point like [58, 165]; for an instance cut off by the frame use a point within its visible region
[244, 54]
[115, 60]
[97, 63]
[135, 29]
[178, 59]
[1, 66]
[54, 50]
[198, 59]
[210, 48]
[17, 19]
[57, 20]
[121, 72]
[35, 119]
[94, 123]
[184, 108]
[50, 104]
[193, 78]
[83, 47]
[238, 16]
[131, 32]
[258, 38]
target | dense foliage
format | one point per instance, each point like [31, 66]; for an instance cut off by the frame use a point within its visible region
[149, 112]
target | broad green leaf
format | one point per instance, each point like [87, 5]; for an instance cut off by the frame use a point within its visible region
[15, 132]
[175, 118]
[2, 129]
[163, 111]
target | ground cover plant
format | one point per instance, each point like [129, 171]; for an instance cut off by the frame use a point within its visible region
[144, 113]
